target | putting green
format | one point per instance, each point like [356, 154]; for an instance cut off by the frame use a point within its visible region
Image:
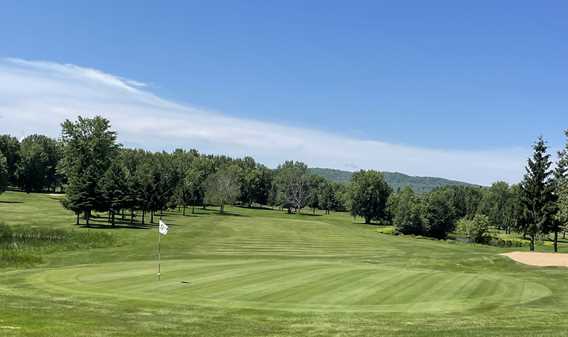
[294, 285]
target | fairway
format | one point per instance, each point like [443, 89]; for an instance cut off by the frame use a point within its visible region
[260, 272]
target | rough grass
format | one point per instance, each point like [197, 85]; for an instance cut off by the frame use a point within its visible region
[266, 273]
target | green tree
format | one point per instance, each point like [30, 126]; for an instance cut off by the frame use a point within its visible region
[537, 193]
[561, 190]
[293, 185]
[114, 189]
[369, 195]
[39, 159]
[407, 212]
[476, 229]
[562, 215]
[222, 187]
[10, 148]
[3, 173]
[495, 204]
[89, 149]
[440, 214]
[255, 185]
[315, 184]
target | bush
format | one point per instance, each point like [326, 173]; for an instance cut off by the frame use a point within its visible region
[477, 229]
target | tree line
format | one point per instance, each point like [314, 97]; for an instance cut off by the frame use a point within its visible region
[99, 175]
[536, 207]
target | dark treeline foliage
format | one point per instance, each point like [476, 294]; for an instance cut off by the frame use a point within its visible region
[32, 164]
[535, 207]
[132, 185]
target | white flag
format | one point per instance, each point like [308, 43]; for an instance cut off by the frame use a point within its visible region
[163, 228]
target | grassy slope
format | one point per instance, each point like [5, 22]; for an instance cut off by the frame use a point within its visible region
[394, 179]
[266, 273]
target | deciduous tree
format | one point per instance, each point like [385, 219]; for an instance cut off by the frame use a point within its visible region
[369, 195]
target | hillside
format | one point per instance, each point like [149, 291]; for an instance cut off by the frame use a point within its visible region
[394, 179]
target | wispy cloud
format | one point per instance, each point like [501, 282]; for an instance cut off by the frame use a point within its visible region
[36, 96]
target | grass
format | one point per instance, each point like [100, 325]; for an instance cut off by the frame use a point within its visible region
[260, 272]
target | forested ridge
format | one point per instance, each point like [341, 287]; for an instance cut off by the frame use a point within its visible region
[395, 180]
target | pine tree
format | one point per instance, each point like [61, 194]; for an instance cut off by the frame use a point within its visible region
[89, 148]
[114, 189]
[537, 194]
[561, 187]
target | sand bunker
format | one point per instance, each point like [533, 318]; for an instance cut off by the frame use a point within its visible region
[539, 259]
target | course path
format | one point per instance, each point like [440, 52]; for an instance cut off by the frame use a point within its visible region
[539, 259]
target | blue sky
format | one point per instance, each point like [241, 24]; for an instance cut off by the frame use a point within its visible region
[476, 77]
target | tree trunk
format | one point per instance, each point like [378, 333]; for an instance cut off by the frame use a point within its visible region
[131, 216]
[532, 243]
[152, 216]
[222, 208]
[563, 234]
[556, 242]
[367, 220]
[87, 217]
[113, 223]
[183, 209]
[143, 215]
[192, 209]
[78, 223]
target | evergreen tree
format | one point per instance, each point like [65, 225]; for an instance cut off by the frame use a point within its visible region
[537, 194]
[114, 189]
[561, 187]
[89, 148]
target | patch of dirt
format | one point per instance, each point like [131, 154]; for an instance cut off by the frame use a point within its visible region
[539, 259]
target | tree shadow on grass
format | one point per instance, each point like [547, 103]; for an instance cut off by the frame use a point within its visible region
[263, 208]
[226, 213]
[308, 214]
[10, 202]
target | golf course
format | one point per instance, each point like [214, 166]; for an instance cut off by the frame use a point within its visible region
[263, 272]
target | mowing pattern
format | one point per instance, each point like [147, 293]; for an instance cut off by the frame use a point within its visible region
[307, 285]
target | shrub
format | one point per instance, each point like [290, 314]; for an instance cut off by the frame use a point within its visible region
[477, 229]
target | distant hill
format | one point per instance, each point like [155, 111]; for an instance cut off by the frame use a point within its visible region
[394, 179]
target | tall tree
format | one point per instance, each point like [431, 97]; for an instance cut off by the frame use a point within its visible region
[39, 159]
[89, 148]
[10, 148]
[293, 187]
[222, 187]
[495, 203]
[407, 211]
[561, 187]
[440, 214]
[3, 173]
[315, 184]
[114, 189]
[537, 194]
[369, 194]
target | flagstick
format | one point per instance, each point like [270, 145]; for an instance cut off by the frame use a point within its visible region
[159, 235]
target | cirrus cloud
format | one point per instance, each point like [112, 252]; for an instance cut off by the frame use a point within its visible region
[37, 96]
